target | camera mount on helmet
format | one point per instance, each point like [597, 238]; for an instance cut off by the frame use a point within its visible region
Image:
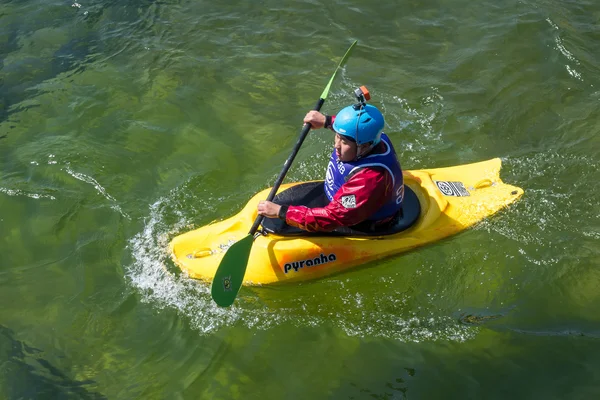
[360, 122]
[362, 96]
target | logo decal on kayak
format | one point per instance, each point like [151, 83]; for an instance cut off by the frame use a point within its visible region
[456, 189]
[349, 201]
[296, 265]
[227, 283]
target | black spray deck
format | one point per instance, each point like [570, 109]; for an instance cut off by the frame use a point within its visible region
[312, 194]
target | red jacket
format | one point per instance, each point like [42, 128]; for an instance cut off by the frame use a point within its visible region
[372, 188]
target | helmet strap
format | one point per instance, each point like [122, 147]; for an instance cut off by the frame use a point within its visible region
[358, 107]
[359, 156]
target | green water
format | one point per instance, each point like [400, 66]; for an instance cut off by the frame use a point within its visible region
[123, 124]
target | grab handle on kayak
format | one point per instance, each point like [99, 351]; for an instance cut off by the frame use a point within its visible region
[483, 184]
[200, 253]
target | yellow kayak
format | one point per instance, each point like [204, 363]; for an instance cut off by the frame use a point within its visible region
[444, 201]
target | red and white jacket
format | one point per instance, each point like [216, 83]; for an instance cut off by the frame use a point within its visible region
[371, 187]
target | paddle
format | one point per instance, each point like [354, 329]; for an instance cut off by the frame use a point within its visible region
[230, 274]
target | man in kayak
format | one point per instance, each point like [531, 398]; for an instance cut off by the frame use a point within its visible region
[364, 181]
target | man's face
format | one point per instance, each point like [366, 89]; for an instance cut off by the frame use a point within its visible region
[344, 148]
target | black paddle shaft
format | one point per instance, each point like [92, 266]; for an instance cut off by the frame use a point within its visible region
[286, 167]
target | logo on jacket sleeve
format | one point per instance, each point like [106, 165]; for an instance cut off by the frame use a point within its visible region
[349, 201]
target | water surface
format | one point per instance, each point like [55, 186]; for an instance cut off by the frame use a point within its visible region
[123, 124]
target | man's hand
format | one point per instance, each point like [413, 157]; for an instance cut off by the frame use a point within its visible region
[268, 209]
[315, 119]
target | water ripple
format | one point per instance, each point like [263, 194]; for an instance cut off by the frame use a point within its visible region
[16, 192]
[88, 179]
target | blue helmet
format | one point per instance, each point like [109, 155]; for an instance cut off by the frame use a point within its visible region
[361, 123]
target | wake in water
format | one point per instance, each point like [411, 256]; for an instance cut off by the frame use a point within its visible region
[151, 273]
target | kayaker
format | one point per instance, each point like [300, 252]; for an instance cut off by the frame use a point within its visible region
[364, 181]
